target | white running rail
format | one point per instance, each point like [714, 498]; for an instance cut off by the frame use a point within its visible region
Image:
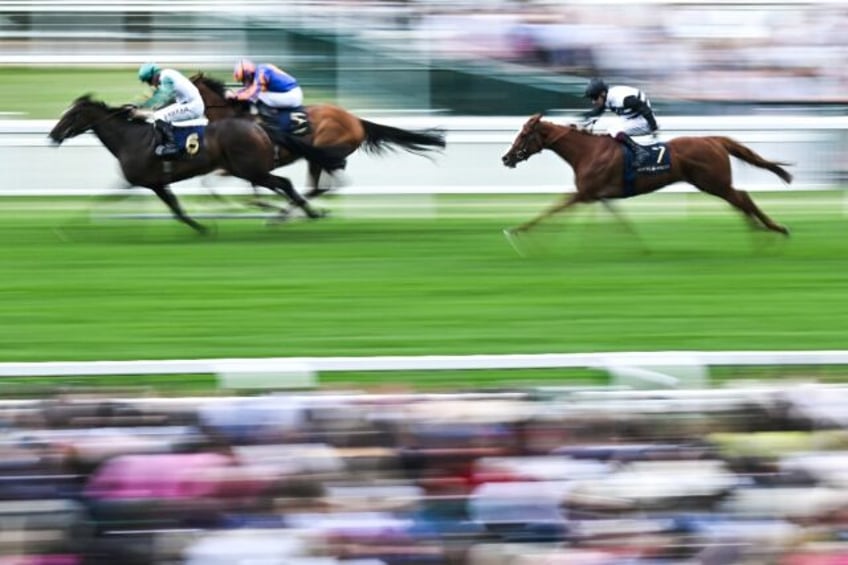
[423, 362]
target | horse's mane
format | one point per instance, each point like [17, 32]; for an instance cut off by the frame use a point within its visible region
[124, 111]
[88, 98]
[213, 84]
[576, 128]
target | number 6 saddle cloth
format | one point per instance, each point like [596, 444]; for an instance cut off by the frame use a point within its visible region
[189, 136]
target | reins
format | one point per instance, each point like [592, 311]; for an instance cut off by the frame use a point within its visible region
[108, 116]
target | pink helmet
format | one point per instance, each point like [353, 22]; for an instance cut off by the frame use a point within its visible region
[244, 68]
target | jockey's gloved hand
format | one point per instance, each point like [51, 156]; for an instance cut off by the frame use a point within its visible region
[142, 113]
[587, 123]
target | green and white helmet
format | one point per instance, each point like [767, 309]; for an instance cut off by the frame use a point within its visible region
[147, 71]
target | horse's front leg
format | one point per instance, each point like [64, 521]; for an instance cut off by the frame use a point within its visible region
[170, 200]
[99, 201]
[566, 202]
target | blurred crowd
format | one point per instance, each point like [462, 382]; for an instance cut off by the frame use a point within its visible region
[737, 51]
[568, 475]
[775, 51]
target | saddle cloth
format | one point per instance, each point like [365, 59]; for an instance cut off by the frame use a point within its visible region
[188, 135]
[285, 121]
[657, 161]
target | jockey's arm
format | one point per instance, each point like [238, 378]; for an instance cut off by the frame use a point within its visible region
[642, 109]
[162, 96]
[249, 93]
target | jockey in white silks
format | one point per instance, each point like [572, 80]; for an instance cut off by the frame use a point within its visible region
[175, 99]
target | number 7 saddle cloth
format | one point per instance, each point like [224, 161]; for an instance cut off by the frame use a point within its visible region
[657, 160]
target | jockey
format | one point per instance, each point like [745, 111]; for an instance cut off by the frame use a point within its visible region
[174, 99]
[266, 84]
[632, 108]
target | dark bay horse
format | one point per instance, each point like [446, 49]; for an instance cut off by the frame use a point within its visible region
[239, 147]
[333, 128]
[598, 164]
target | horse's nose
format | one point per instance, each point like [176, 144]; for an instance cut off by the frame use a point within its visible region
[508, 161]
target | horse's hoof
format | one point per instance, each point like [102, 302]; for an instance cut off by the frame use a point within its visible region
[513, 241]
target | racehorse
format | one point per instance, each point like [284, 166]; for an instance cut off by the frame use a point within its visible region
[332, 128]
[239, 147]
[600, 174]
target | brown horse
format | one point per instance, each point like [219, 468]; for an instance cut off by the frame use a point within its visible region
[598, 163]
[334, 129]
[239, 147]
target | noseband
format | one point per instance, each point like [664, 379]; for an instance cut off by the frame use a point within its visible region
[533, 137]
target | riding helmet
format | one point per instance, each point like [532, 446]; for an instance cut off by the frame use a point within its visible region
[147, 71]
[244, 68]
[595, 87]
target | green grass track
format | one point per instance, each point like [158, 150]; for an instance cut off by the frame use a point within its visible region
[450, 284]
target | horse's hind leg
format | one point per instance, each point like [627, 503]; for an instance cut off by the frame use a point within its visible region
[742, 201]
[170, 200]
[283, 186]
[314, 191]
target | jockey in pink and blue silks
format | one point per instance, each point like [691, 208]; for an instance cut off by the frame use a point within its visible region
[267, 84]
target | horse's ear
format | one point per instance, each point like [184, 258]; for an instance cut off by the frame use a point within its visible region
[196, 77]
[87, 97]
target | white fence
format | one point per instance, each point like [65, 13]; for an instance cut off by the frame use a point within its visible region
[662, 368]
[816, 145]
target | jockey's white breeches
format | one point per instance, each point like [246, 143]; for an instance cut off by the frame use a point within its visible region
[291, 99]
[180, 111]
[636, 125]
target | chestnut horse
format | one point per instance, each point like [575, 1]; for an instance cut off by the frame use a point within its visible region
[599, 173]
[334, 130]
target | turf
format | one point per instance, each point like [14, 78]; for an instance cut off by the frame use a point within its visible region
[152, 289]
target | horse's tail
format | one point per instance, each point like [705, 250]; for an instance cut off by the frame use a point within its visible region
[379, 137]
[749, 156]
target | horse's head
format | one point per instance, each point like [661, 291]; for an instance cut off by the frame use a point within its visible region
[528, 142]
[78, 118]
[214, 95]
[211, 89]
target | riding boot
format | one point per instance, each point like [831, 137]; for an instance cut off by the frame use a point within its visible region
[168, 148]
[640, 153]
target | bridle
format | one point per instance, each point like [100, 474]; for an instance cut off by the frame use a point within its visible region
[534, 137]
